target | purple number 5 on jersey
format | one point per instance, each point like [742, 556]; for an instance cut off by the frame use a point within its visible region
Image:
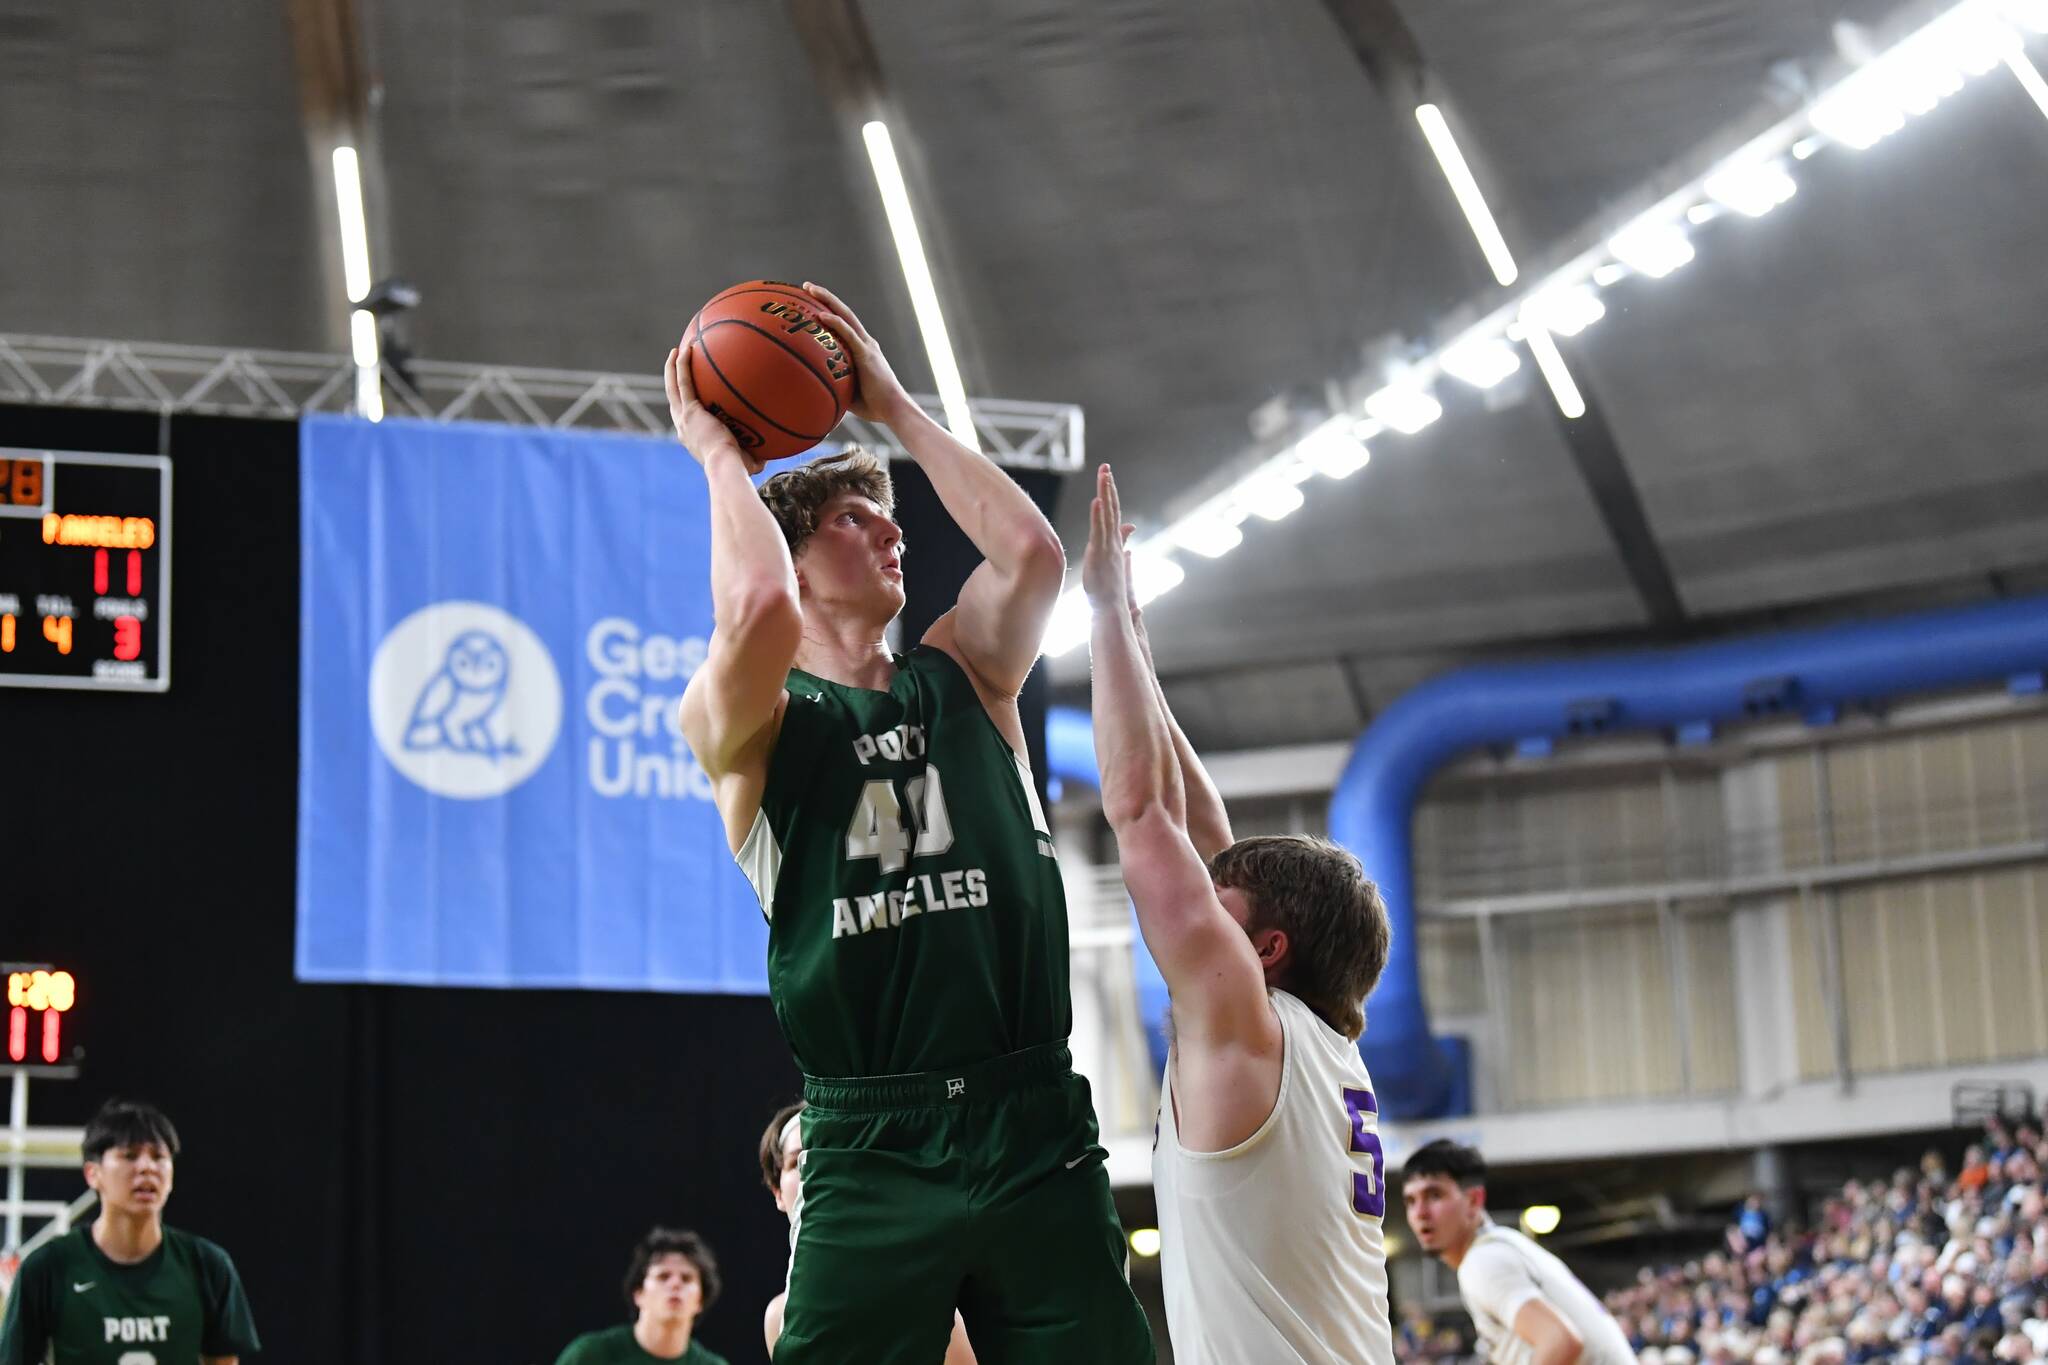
[1369, 1186]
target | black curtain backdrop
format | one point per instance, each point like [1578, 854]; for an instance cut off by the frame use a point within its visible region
[402, 1174]
[937, 558]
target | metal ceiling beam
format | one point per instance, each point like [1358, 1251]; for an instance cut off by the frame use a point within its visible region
[848, 69]
[334, 102]
[1392, 57]
[843, 57]
[1597, 457]
[170, 378]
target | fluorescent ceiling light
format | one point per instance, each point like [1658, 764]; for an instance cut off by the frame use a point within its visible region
[917, 275]
[2029, 77]
[1653, 249]
[1207, 533]
[1612, 272]
[1752, 191]
[355, 233]
[362, 335]
[1702, 213]
[1404, 409]
[1570, 401]
[1857, 114]
[1806, 147]
[1482, 362]
[2029, 14]
[1268, 494]
[1564, 310]
[1153, 574]
[362, 331]
[1333, 449]
[1491, 243]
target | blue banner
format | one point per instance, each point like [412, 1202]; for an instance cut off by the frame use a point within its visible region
[497, 625]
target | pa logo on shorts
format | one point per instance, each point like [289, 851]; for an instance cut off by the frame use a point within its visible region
[956, 1086]
[465, 700]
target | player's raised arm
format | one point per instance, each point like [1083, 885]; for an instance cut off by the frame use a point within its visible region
[1208, 823]
[757, 622]
[1211, 969]
[1004, 607]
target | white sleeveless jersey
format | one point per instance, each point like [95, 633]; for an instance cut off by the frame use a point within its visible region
[1274, 1252]
[1503, 1270]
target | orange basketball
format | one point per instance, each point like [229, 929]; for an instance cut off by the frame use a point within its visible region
[765, 366]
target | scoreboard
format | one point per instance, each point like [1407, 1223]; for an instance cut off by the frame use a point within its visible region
[38, 998]
[85, 570]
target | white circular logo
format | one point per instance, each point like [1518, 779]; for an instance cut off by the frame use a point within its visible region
[464, 699]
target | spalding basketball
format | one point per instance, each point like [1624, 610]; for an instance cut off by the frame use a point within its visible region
[765, 366]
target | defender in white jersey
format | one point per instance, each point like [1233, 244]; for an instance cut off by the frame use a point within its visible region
[1268, 1168]
[1527, 1305]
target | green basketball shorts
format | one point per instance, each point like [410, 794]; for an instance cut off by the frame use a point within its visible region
[981, 1189]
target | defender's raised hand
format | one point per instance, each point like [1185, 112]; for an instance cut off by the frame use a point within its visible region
[697, 426]
[880, 396]
[1105, 564]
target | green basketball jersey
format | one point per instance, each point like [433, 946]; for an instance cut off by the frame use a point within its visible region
[73, 1306]
[618, 1346]
[916, 918]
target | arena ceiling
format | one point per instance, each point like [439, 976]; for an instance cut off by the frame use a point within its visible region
[1167, 211]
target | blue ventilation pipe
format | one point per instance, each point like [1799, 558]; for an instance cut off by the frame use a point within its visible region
[1685, 692]
[1810, 673]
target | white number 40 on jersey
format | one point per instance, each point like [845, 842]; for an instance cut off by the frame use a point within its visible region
[877, 829]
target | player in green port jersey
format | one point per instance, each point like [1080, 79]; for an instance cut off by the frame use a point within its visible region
[917, 931]
[672, 1279]
[125, 1289]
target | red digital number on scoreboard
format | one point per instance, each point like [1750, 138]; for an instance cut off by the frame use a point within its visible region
[50, 994]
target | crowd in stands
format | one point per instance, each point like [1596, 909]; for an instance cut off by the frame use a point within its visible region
[1927, 1268]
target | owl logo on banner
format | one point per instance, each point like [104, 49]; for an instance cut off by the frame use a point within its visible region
[456, 705]
[465, 700]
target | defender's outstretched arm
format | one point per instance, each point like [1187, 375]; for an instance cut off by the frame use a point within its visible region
[1214, 976]
[1208, 823]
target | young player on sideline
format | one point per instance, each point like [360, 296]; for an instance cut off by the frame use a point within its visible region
[671, 1280]
[917, 940]
[782, 1147]
[1528, 1306]
[1267, 1167]
[124, 1289]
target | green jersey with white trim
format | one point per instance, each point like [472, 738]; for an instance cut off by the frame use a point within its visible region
[916, 916]
[73, 1306]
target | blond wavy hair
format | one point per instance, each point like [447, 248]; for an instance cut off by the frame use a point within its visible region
[796, 496]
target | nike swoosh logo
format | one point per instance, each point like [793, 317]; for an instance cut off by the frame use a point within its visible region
[1077, 1161]
[78, 1288]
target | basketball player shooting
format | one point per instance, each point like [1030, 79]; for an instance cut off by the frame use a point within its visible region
[917, 931]
[1267, 1168]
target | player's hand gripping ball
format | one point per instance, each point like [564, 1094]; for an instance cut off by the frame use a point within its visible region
[765, 364]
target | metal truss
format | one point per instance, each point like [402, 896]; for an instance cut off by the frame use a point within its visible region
[166, 378]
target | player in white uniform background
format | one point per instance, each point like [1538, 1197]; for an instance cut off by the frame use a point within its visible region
[1268, 1169]
[1527, 1305]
